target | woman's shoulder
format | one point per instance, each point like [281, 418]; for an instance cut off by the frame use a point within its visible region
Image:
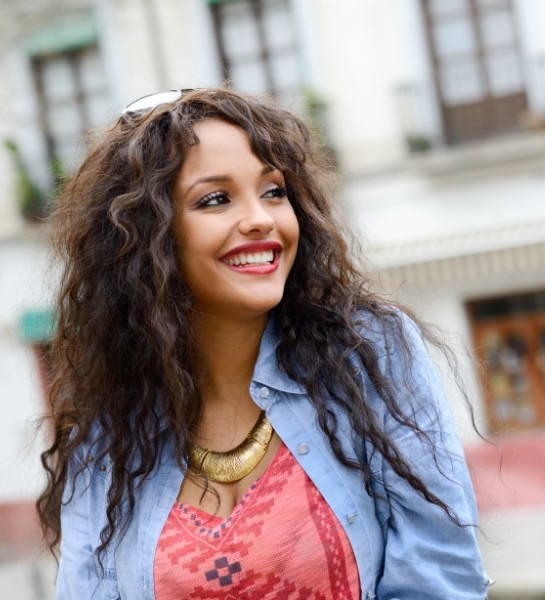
[90, 443]
[389, 329]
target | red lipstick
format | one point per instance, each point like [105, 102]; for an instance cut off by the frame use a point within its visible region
[251, 248]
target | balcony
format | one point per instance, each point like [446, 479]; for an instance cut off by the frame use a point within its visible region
[460, 115]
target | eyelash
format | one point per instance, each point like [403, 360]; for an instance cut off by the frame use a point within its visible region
[205, 201]
[276, 192]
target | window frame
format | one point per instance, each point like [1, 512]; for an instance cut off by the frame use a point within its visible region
[266, 53]
[491, 114]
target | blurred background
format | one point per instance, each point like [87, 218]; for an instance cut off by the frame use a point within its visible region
[434, 113]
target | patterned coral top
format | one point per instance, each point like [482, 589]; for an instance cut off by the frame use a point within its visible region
[281, 542]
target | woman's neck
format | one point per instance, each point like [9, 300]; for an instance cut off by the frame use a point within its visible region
[229, 351]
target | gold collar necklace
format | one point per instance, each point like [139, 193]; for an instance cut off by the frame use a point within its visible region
[226, 467]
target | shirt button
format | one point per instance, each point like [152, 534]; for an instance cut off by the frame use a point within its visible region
[264, 392]
[356, 370]
[351, 517]
[90, 458]
[302, 449]
[103, 468]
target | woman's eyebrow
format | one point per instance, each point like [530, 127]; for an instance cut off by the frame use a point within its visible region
[223, 178]
[209, 179]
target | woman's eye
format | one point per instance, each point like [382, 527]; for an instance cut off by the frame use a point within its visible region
[276, 192]
[213, 199]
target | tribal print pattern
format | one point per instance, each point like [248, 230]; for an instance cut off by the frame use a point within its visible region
[281, 542]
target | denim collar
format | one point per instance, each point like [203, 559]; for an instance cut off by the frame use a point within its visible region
[267, 371]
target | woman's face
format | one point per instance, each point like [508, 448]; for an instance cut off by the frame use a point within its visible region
[236, 229]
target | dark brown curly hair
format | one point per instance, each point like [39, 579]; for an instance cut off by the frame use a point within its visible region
[124, 345]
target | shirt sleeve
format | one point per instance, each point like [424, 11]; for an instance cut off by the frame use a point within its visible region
[428, 556]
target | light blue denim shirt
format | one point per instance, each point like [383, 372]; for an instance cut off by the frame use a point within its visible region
[405, 548]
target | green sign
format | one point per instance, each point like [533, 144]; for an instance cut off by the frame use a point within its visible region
[36, 326]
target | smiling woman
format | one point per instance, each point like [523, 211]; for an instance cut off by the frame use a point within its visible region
[236, 229]
[237, 413]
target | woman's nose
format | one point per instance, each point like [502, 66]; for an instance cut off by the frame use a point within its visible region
[255, 217]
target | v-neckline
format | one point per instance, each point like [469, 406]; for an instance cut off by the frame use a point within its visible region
[201, 516]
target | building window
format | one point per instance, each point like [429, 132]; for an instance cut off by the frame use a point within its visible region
[73, 98]
[477, 67]
[257, 45]
[71, 94]
[509, 335]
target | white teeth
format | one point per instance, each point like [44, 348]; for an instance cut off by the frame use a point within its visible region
[254, 258]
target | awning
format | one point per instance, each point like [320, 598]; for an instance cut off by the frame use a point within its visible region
[455, 246]
[63, 32]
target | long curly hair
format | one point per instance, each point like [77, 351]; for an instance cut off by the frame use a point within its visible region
[124, 345]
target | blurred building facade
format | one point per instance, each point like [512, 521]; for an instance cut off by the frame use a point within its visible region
[435, 110]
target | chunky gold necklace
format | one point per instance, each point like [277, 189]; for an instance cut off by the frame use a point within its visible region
[226, 467]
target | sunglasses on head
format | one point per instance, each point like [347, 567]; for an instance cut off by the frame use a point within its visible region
[151, 101]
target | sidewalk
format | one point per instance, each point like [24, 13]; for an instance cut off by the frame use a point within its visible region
[27, 580]
[512, 543]
[511, 502]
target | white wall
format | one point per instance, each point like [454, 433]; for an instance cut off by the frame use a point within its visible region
[206, 69]
[531, 24]
[158, 45]
[361, 67]
[10, 219]
[23, 286]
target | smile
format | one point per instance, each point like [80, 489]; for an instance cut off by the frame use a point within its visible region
[255, 258]
[251, 258]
